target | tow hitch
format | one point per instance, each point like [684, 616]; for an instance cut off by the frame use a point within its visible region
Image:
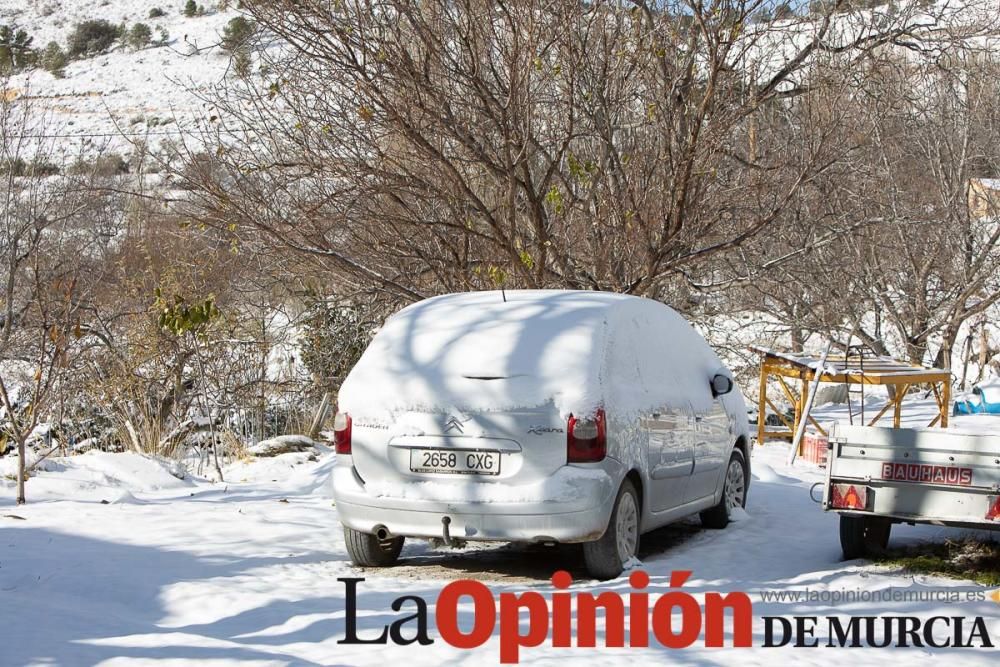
[445, 533]
[446, 539]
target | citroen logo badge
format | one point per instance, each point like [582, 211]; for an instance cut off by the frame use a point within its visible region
[454, 424]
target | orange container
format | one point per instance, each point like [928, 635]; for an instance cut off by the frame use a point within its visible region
[814, 448]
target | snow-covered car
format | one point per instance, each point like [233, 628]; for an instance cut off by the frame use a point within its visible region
[536, 416]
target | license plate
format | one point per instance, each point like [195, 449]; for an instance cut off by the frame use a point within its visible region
[459, 462]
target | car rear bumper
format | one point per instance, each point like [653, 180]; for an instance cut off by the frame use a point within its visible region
[575, 507]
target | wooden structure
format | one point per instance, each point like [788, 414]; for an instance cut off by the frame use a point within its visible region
[847, 370]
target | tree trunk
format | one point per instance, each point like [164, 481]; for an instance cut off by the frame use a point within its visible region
[208, 413]
[943, 357]
[916, 350]
[20, 471]
[984, 346]
[320, 416]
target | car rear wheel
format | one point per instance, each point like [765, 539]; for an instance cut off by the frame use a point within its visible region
[734, 493]
[607, 557]
[367, 550]
[862, 536]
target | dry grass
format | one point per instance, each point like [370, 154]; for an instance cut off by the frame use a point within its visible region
[961, 559]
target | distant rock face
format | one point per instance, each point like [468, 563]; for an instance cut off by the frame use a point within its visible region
[282, 444]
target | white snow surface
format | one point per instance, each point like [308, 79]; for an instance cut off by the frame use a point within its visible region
[989, 391]
[494, 351]
[98, 475]
[246, 572]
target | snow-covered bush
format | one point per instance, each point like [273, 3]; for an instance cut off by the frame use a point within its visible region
[336, 332]
[91, 38]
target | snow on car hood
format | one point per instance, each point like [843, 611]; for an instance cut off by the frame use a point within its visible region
[478, 352]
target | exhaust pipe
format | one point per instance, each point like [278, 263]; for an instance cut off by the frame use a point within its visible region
[382, 533]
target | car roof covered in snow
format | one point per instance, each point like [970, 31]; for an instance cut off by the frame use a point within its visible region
[516, 349]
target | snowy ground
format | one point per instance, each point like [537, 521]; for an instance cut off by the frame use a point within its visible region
[172, 570]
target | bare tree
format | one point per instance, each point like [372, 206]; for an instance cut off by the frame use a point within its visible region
[440, 146]
[39, 289]
[919, 261]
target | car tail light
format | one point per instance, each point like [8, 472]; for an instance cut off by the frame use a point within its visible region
[586, 439]
[342, 433]
[993, 513]
[849, 497]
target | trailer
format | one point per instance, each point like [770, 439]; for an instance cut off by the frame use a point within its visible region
[876, 477]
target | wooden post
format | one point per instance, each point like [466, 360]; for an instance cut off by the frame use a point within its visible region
[945, 401]
[898, 404]
[797, 409]
[319, 416]
[804, 402]
[762, 402]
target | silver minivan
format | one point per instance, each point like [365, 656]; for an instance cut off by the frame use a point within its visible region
[536, 416]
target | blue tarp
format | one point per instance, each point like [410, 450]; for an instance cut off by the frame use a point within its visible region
[984, 400]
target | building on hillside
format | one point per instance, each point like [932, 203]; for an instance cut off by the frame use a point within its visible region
[984, 198]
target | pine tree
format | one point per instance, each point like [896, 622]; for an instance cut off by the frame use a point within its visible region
[139, 36]
[16, 53]
[53, 60]
[237, 33]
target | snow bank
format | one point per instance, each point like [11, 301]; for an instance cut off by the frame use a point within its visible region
[486, 351]
[128, 470]
[989, 392]
[100, 475]
[8, 463]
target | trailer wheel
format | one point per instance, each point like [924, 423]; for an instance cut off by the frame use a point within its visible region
[862, 536]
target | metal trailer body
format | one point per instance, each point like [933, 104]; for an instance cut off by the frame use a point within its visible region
[879, 476]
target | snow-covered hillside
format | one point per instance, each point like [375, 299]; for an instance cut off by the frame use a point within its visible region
[153, 93]
[144, 94]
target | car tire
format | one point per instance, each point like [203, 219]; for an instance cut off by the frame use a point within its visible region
[607, 557]
[366, 550]
[734, 493]
[863, 536]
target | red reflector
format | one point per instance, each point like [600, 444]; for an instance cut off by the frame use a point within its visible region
[586, 439]
[342, 433]
[993, 513]
[849, 497]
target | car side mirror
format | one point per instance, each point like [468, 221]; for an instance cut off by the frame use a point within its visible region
[721, 384]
